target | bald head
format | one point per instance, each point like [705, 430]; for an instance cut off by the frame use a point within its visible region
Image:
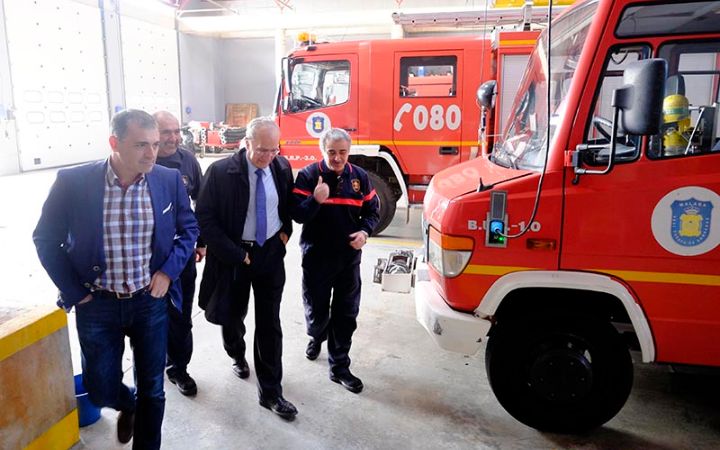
[169, 128]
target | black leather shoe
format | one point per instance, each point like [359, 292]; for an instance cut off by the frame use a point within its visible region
[241, 368]
[313, 349]
[186, 385]
[125, 426]
[280, 406]
[348, 381]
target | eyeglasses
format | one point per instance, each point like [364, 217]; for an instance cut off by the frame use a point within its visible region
[267, 151]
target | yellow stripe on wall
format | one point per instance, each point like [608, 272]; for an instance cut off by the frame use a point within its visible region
[395, 242]
[27, 334]
[60, 436]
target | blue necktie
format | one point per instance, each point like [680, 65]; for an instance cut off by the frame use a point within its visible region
[260, 210]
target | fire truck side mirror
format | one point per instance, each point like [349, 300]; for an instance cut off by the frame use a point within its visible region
[640, 98]
[486, 94]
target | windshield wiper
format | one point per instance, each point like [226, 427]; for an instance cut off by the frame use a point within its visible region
[499, 162]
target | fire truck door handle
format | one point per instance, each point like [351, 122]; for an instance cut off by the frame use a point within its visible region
[448, 150]
[349, 130]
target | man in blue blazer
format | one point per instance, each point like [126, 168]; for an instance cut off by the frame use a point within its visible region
[114, 236]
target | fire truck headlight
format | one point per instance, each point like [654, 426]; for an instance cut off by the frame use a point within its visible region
[454, 262]
[449, 255]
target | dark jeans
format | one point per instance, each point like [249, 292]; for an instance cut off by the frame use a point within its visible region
[180, 338]
[102, 325]
[266, 276]
[332, 273]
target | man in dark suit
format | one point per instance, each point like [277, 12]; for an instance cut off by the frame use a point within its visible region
[243, 214]
[114, 237]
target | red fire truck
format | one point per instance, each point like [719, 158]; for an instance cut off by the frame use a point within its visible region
[592, 227]
[408, 104]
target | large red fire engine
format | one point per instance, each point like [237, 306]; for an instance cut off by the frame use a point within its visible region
[592, 227]
[408, 104]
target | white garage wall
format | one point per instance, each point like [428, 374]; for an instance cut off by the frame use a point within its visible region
[247, 68]
[201, 80]
[9, 163]
[150, 65]
[59, 57]
[58, 76]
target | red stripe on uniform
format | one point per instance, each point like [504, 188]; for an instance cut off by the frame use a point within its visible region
[369, 196]
[343, 201]
[301, 192]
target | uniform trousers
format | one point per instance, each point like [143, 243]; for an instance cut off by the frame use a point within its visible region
[331, 296]
[180, 339]
[266, 275]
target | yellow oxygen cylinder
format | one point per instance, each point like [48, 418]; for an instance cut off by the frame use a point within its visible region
[676, 124]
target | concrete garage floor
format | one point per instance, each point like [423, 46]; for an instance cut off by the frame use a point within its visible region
[416, 395]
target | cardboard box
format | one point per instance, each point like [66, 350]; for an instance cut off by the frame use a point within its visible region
[239, 114]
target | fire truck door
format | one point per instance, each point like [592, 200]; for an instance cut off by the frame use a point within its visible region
[653, 222]
[323, 95]
[427, 110]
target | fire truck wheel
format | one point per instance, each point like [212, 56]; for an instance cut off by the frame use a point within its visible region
[566, 374]
[387, 202]
[217, 149]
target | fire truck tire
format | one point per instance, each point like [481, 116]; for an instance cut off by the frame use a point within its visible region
[217, 149]
[566, 374]
[387, 202]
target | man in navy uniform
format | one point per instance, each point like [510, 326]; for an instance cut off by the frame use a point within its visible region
[180, 339]
[338, 208]
[114, 236]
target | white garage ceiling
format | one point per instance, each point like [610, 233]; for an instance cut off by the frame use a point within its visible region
[257, 18]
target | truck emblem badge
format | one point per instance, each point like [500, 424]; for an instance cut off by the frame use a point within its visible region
[690, 224]
[317, 123]
[686, 221]
[355, 184]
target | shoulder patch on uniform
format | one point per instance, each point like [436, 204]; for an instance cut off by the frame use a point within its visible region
[185, 180]
[355, 184]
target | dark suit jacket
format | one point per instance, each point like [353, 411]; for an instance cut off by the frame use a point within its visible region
[221, 210]
[69, 235]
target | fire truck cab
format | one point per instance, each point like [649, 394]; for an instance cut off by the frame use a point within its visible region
[408, 104]
[592, 227]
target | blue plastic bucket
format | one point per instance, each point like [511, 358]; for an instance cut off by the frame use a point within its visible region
[87, 412]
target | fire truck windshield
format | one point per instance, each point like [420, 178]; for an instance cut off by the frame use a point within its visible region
[316, 84]
[524, 141]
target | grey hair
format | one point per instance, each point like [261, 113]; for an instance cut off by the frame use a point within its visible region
[334, 134]
[160, 115]
[257, 124]
[120, 121]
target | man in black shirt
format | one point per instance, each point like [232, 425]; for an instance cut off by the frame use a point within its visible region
[180, 340]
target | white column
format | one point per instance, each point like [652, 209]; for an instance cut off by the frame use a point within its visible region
[397, 31]
[280, 52]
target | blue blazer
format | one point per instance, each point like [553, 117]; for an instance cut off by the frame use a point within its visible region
[69, 235]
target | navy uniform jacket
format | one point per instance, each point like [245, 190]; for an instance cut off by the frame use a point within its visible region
[69, 235]
[352, 206]
[189, 167]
